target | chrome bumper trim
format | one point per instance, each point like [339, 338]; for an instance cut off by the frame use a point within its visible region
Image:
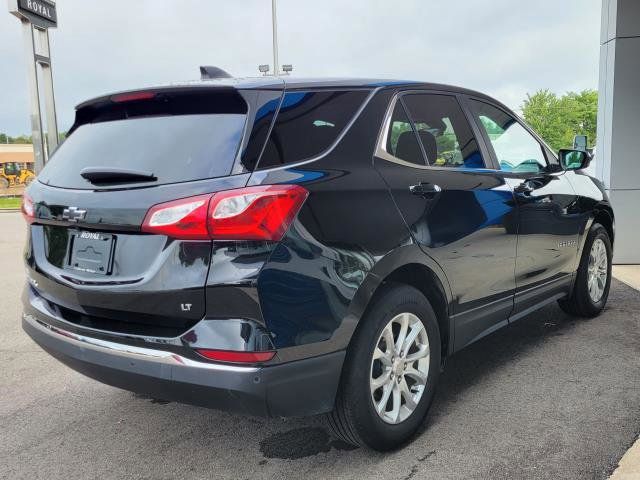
[130, 351]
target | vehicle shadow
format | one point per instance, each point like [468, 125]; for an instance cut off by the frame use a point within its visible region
[295, 439]
[469, 366]
[463, 370]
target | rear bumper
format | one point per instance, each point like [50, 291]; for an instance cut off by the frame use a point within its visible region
[300, 388]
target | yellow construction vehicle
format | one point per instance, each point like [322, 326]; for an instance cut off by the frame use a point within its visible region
[12, 174]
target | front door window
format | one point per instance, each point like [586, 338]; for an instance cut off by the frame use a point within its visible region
[515, 148]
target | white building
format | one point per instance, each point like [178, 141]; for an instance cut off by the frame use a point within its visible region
[618, 160]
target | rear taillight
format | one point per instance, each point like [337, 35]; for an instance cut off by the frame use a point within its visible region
[28, 210]
[236, 356]
[186, 218]
[255, 213]
[252, 213]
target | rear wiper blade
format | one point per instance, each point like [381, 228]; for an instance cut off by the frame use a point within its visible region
[109, 175]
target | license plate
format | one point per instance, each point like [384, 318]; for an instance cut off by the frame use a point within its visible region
[91, 252]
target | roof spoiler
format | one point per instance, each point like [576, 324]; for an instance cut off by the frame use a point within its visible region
[209, 72]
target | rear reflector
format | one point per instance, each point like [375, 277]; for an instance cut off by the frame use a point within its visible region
[130, 97]
[236, 357]
[27, 208]
[252, 213]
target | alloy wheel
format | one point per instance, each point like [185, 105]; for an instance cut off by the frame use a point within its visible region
[597, 270]
[399, 368]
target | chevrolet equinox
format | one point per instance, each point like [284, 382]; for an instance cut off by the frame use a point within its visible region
[287, 247]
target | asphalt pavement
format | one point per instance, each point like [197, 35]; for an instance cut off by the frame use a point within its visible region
[548, 397]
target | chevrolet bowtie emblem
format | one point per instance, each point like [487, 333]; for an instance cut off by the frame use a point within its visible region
[73, 214]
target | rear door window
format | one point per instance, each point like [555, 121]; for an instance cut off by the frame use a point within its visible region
[308, 123]
[442, 127]
[402, 142]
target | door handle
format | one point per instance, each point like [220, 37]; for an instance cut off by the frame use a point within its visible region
[426, 190]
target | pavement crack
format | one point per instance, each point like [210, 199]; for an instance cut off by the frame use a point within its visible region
[425, 457]
[412, 473]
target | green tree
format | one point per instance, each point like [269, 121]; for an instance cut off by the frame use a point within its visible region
[4, 138]
[558, 119]
[20, 139]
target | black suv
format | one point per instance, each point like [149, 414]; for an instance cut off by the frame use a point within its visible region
[289, 247]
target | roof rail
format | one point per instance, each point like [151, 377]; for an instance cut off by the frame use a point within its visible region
[209, 71]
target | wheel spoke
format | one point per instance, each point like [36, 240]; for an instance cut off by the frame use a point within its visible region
[417, 375]
[384, 357]
[381, 406]
[416, 328]
[377, 382]
[423, 351]
[395, 411]
[407, 395]
[387, 334]
[402, 334]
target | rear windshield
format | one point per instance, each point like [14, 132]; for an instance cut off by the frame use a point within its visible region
[176, 148]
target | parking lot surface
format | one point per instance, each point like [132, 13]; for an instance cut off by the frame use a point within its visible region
[548, 397]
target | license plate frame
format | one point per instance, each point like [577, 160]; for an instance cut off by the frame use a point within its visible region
[91, 252]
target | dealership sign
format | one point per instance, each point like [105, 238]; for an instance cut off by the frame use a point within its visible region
[40, 8]
[41, 13]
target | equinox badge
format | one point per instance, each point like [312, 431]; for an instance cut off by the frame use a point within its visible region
[73, 214]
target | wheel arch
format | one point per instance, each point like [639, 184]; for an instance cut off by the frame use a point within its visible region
[409, 266]
[603, 214]
[426, 281]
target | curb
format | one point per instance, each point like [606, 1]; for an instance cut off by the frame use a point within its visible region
[629, 466]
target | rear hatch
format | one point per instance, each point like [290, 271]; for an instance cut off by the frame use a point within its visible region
[88, 256]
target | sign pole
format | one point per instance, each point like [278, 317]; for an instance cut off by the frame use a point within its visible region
[49, 98]
[37, 16]
[39, 151]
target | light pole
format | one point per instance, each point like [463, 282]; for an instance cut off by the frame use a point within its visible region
[264, 69]
[274, 21]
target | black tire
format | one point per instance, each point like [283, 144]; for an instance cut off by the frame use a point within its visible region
[354, 418]
[580, 303]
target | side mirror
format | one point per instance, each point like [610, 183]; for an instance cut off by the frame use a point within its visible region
[574, 159]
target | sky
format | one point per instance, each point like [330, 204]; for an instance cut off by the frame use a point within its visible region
[505, 48]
